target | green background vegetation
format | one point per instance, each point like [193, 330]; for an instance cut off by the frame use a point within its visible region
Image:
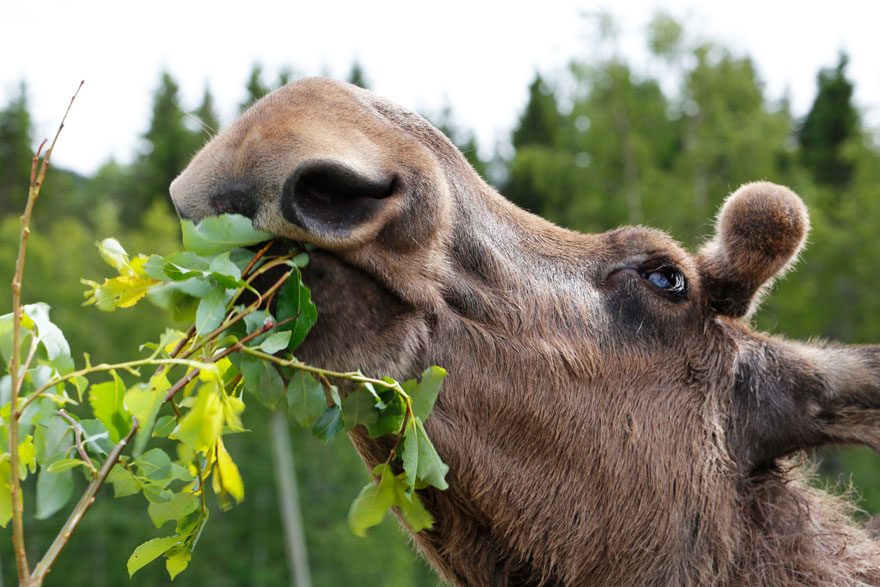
[600, 144]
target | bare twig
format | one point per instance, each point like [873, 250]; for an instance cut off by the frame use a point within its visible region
[15, 484]
[256, 258]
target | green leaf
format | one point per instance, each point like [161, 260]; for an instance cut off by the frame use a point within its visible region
[412, 508]
[52, 440]
[165, 425]
[390, 418]
[27, 457]
[96, 438]
[6, 339]
[305, 398]
[177, 561]
[410, 456]
[262, 380]
[232, 409]
[359, 407]
[212, 310]
[107, 401]
[328, 425]
[5, 497]
[431, 467]
[178, 507]
[424, 396]
[369, 507]
[184, 265]
[155, 465]
[115, 256]
[144, 402]
[300, 260]
[53, 492]
[150, 551]
[225, 272]
[64, 464]
[49, 335]
[156, 493]
[119, 292]
[35, 320]
[255, 320]
[202, 425]
[123, 481]
[275, 342]
[155, 267]
[227, 480]
[295, 301]
[217, 234]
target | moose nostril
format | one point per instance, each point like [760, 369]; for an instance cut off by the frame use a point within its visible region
[235, 201]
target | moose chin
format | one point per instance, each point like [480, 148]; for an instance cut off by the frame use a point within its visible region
[610, 417]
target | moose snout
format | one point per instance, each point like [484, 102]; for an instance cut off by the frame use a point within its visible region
[196, 196]
[234, 199]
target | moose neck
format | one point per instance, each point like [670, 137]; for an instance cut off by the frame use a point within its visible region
[511, 328]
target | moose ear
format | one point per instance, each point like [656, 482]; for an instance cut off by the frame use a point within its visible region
[331, 199]
[760, 230]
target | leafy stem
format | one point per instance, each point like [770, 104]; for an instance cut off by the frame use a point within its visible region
[355, 376]
[128, 366]
[234, 318]
[183, 381]
[76, 516]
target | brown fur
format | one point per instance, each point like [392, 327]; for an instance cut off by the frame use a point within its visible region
[600, 430]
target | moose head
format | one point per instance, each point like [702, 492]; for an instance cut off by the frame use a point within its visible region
[610, 417]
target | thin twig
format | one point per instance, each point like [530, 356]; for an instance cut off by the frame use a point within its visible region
[21, 560]
[178, 347]
[76, 516]
[78, 431]
[350, 375]
[256, 258]
[184, 381]
[89, 370]
[238, 317]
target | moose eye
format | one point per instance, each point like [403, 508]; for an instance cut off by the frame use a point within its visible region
[665, 277]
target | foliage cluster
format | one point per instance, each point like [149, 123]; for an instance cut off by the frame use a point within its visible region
[240, 342]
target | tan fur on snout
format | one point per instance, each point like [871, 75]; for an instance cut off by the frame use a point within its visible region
[609, 417]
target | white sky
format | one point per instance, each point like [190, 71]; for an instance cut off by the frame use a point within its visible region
[476, 56]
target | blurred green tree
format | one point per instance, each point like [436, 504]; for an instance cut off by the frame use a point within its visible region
[358, 76]
[255, 87]
[462, 138]
[16, 153]
[168, 146]
[537, 160]
[206, 117]
[830, 127]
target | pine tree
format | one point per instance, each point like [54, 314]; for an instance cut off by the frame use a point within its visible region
[255, 87]
[357, 76]
[169, 145]
[15, 153]
[539, 123]
[829, 127]
[536, 140]
[206, 114]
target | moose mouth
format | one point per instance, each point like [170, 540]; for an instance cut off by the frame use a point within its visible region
[268, 269]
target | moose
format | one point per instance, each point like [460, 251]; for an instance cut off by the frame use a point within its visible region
[610, 416]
